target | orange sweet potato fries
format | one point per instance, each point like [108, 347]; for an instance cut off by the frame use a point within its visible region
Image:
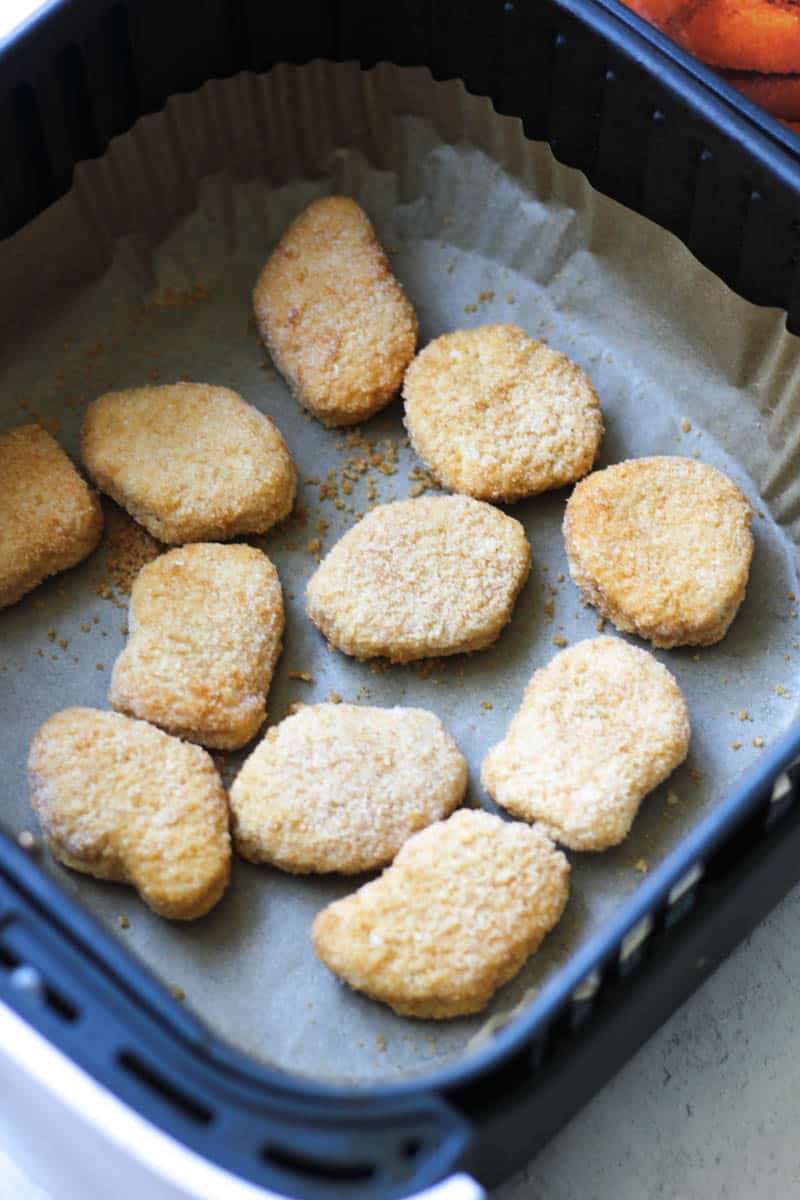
[755, 44]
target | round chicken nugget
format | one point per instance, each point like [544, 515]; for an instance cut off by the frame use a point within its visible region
[190, 462]
[123, 801]
[341, 787]
[334, 318]
[415, 578]
[462, 907]
[206, 623]
[498, 416]
[49, 519]
[662, 547]
[599, 727]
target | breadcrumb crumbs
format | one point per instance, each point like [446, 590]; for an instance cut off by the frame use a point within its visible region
[335, 698]
[486, 704]
[672, 798]
[736, 745]
[123, 922]
[558, 640]
[758, 742]
[686, 426]
[600, 624]
[470, 308]
[178, 993]
[642, 866]
[303, 676]
[27, 841]
[744, 715]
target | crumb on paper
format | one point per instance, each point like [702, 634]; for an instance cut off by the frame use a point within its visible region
[695, 775]
[63, 643]
[642, 866]
[303, 676]
[470, 308]
[380, 1042]
[300, 513]
[780, 690]
[511, 299]
[672, 798]
[51, 634]
[485, 297]
[177, 993]
[686, 426]
[558, 640]
[123, 922]
[600, 624]
[744, 715]
[736, 744]
[486, 704]
[314, 548]
[560, 577]
[758, 742]
[334, 698]
[27, 841]
[100, 666]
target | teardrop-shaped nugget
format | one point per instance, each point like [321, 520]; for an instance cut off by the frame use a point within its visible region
[206, 623]
[121, 800]
[191, 463]
[341, 787]
[417, 578]
[662, 547]
[599, 727]
[334, 318]
[455, 916]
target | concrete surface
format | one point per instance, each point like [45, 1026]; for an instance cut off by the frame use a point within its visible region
[708, 1110]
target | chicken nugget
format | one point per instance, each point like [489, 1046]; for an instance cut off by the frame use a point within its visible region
[498, 416]
[334, 318]
[662, 547]
[599, 727]
[190, 462]
[462, 907]
[206, 623]
[341, 787]
[123, 801]
[49, 519]
[417, 578]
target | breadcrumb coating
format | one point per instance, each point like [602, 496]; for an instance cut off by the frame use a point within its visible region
[123, 801]
[662, 547]
[190, 462]
[417, 578]
[49, 518]
[499, 416]
[599, 727]
[337, 323]
[206, 623]
[341, 787]
[463, 906]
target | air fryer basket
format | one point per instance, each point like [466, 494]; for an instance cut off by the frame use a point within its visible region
[645, 133]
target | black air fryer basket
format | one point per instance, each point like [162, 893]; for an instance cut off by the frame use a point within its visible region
[664, 137]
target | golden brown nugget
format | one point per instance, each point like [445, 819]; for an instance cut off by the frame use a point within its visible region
[462, 907]
[206, 623]
[49, 519]
[334, 318]
[123, 801]
[190, 462]
[341, 787]
[599, 727]
[499, 416]
[417, 578]
[662, 547]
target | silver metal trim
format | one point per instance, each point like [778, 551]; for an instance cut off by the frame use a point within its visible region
[82, 1127]
[634, 937]
[687, 881]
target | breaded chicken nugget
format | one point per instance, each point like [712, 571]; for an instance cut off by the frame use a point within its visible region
[498, 416]
[334, 318]
[49, 518]
[417, 578]
[341, 787]
[599, 727]
[120, 800]
[191, 463]
[662, 547]
[462, 907]
[206, 623]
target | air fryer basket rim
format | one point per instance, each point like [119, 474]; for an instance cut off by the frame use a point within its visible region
[741, 137]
